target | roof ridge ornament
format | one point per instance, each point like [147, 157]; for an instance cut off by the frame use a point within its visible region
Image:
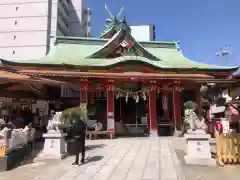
[113, 18]
[114, 23]
[109, 13]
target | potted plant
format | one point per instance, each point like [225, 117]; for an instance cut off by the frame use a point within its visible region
[190, 105]
[81, 111]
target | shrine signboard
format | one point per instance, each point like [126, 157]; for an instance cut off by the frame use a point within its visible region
[225, 126]
[110, 121]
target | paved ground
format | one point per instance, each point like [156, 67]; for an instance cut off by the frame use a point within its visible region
[125, 159]
[119, 159]
[203, 172]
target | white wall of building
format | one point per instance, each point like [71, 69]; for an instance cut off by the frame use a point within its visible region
[23, 28]
[26, 25]
[143, 32]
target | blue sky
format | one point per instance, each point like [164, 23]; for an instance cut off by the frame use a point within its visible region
[202, 26]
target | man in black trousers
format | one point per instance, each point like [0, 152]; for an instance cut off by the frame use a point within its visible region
[78, 132]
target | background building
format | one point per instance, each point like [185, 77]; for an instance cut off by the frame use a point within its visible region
[143, 32]
[27, 25]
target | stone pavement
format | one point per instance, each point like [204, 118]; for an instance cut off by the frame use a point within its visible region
[196, 172]
[118, 159]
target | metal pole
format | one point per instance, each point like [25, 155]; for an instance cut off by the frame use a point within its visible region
[136, 119]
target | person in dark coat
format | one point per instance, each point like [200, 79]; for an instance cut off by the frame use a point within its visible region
[77, 132]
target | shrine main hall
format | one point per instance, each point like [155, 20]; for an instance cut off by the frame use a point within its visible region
[138, 85]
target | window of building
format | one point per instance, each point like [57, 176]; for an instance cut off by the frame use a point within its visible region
[15, 22]
[16, 8]
[14, 37]
[13, 52]
[88, 23]
[87, 11]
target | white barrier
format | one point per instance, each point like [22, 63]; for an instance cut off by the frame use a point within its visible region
[20, 137]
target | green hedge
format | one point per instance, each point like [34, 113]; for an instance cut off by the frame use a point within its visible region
[81, 111]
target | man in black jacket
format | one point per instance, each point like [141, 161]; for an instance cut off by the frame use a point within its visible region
[78, 132]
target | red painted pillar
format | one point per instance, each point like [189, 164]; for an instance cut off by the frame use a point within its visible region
[152, 113]
[83, 93]
[198, 101]
[110, 110]
[177, 109]
[165, 105]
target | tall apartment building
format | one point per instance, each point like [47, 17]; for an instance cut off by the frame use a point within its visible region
[26, 26]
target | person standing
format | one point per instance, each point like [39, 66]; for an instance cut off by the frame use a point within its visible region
[78, 132]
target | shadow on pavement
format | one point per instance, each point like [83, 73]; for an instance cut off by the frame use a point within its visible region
[91, 147]
[180, 155]
[93, 159]
[36, 149]
[31, 151]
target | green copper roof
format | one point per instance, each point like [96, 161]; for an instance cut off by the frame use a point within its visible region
[114, 44]
[75, 51]
[237, 73]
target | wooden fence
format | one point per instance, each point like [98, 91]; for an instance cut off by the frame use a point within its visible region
[3, 148]
[228, 148]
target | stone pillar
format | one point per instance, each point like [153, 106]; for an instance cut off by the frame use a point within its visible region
[110, 110]
[177, 109]
[198, 101]
[165, 105]
[152, 114]
[54, 146]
